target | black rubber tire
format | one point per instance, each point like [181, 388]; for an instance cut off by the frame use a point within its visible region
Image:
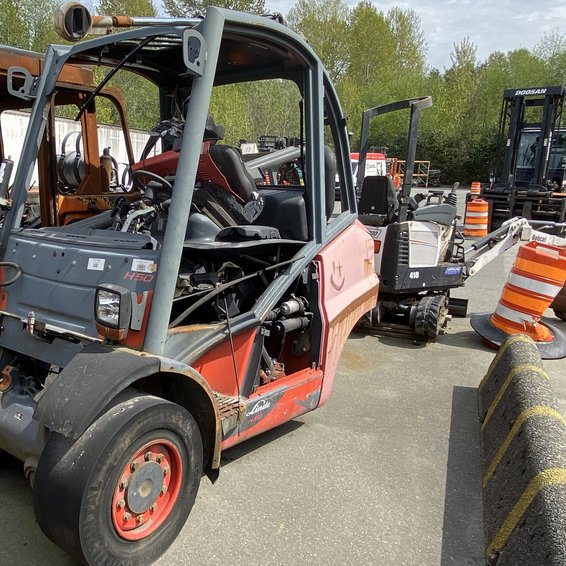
[76, 481]
[431, 315]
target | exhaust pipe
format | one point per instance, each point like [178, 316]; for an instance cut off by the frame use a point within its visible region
[73, 21]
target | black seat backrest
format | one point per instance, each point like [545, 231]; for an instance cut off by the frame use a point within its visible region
[379, 197]
[231, 164]
[329, 179]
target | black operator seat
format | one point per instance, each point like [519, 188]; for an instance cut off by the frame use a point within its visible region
[228, 195]
[378, 202]
[231, 164]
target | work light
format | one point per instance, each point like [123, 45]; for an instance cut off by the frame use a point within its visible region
[112, 311]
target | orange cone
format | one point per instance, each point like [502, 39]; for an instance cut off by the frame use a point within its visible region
[476, 218]
[537, 276]
[475, 189]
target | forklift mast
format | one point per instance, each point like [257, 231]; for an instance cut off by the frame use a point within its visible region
[529, 128]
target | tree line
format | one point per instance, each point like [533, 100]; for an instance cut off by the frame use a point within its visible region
[373, 57]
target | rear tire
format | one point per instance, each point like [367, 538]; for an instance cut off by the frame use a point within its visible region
[121, 493]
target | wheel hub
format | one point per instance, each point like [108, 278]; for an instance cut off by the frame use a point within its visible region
[144, 487]
[147, 490]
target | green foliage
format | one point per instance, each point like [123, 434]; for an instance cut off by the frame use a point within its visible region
[410, 45]
[459, 133]
[229, 108]
[28, 24]
[250, 110]
[325, 24]
[192, 7]
[373, 57]
[129, 7]
[140, 99]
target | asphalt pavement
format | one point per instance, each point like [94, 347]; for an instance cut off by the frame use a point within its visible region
[387, 472]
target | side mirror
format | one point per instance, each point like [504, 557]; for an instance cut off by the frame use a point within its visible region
[72, 21]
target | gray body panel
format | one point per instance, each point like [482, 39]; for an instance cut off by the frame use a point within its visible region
[61, 270]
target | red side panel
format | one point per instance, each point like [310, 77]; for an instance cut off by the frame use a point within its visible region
[348, 290]
[276, 403]
[165, 164]
[217, 365]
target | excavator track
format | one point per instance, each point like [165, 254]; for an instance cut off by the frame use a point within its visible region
[431, 316]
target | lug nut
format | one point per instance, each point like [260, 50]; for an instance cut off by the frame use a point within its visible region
[134, 466]
[120, 504]
[127, 517]
[123, 484]
[159, 458]
[165, 470]
[164, 490]
[153, 508]
[139, 518]
[147, 456]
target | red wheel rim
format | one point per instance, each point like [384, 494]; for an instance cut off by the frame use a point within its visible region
[147, 490]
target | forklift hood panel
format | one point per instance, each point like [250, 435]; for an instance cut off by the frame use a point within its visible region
[60, 274]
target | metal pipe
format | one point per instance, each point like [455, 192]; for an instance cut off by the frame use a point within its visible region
[106, 22]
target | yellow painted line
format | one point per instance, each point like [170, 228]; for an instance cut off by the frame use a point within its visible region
[505, 385]
[546, 478]
[514, 338]
[537, 411]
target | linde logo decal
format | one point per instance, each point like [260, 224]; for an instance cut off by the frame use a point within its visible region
[530, 91]
[260, 406]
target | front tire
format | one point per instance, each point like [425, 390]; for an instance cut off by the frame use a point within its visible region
[120, 494]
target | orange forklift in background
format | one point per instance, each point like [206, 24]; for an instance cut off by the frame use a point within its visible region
[76, 178]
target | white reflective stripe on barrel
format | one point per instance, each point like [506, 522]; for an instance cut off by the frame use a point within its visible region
[515, 316]
[534, 285]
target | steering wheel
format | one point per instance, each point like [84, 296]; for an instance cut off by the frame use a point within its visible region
[148, 176]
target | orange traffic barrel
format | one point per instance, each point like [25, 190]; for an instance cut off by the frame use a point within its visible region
[537, 276]
[475, 189]
[476, 218]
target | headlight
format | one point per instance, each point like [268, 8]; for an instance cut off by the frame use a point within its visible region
[108, 308]
[112, 311]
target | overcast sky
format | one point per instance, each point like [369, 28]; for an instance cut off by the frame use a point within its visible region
[491, 25]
